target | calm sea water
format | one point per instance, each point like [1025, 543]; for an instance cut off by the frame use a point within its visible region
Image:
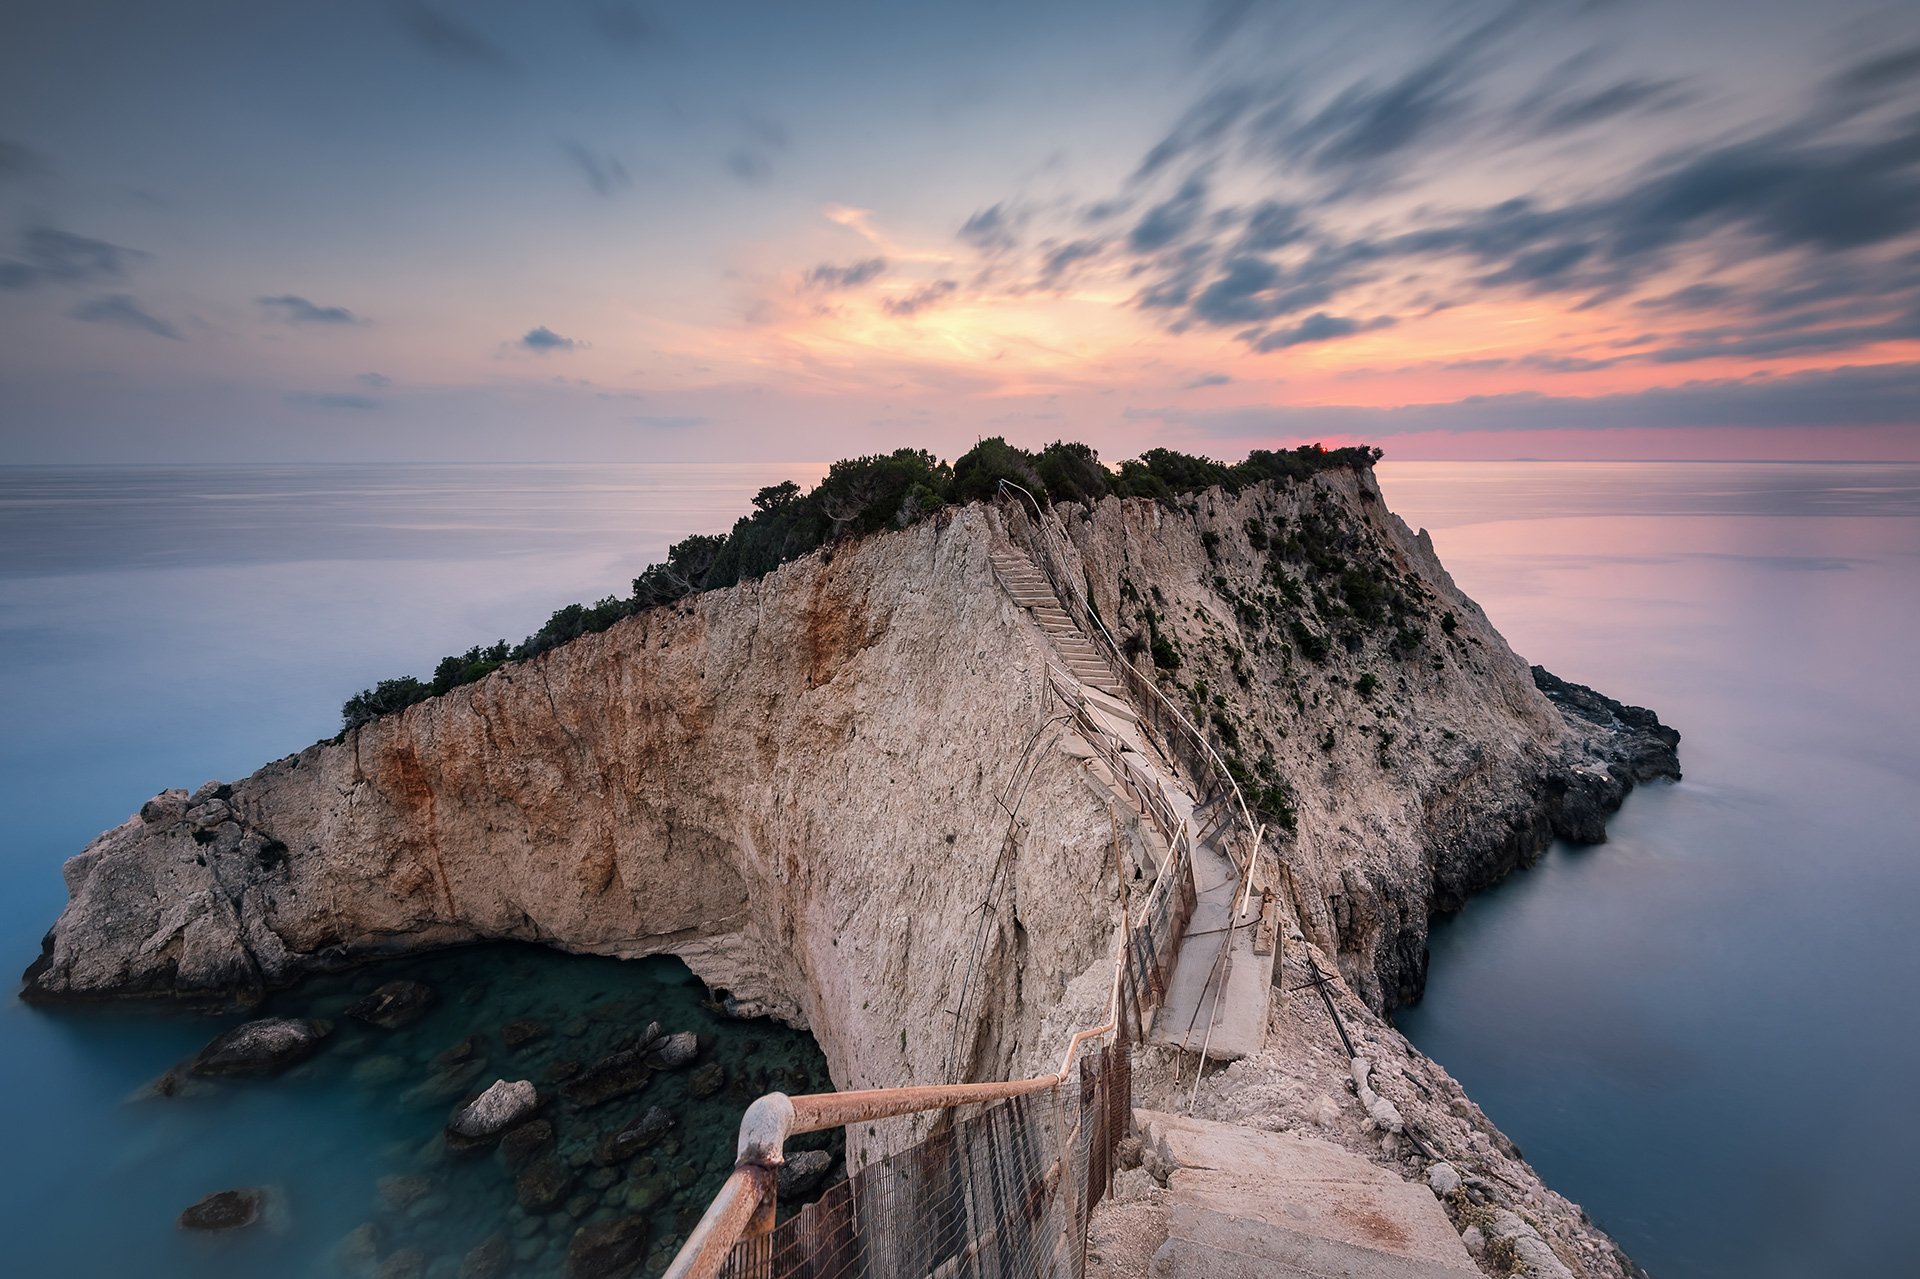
[1699, 1030]
[1704, 1029]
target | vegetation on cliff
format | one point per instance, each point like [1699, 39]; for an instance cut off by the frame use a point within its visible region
[858, 496]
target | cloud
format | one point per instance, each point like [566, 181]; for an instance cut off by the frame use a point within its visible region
[1562, 110]
[450, 40]
[290, 308]
[1318, 327]
[828, 278]
[121, 311]
[1206, 379]
[1061, 259]
[604, 173]
[994, 229]
[17, 160]
[332, 401]
[752, 160]
[921, 298]
[625, 25]
[1885, 395]
[49, 255]
[544, 339]
[670, 422]
[1168, 221]
[378, 381]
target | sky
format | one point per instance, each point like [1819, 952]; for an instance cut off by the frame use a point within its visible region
[498, 230]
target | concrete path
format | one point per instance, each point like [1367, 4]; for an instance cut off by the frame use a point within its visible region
[1246, 1204]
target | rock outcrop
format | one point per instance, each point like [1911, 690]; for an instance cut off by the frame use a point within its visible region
[801, 786]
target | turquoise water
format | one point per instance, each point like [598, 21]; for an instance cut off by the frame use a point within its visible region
[1703, 1030]
[162, 626]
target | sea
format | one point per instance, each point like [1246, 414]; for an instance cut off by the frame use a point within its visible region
[1701, 1030]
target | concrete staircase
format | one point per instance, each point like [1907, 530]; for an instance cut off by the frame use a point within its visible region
[1244, 1204]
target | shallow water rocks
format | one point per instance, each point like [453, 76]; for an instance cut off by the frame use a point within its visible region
[647, 1131]
[606, 1249]
[612, 1076]
[264, 1047]
[674, 1051]
[489, 1260]
[522, 1143]
[523, 1031]
[405, 1263]
[493, 1112]
[396, 1004]
[707, 1080]
[803, 1172]
[224, 1210]
[542, 1185]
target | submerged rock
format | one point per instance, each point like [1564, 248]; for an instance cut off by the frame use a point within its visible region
[674, 1051]
[613, 1076]
[542, 1185]
[522, 1143]
[523, 1031]
[493, 1112]
[396, 1004]
[407, 1263]
[604, 1249]
[264, 1047]
[490, 1259]
[224, 1210]
[707, 1080]
[629, 1141]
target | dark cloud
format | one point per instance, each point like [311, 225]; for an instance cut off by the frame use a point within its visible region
[1562, 110]
[333, 401]
[921, 298]
[1856, 396]
[49, 255]
[17, 160]
[1206, 379]
[122, 312]
[450, 40]
[828, 278]
[1201, 131]
[752, 161]
[625, 25]
[544, 339]
[604, 173]
[1062, 258]
[1171, 219]
[1318, 327]
[378, 381]
[292, 309]
[1882, 71]
[994, 229]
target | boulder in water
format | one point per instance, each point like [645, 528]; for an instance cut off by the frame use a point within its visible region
[604, 1249]
[490, 1260]
[264, 1047]
[523, 1031]
[542, 1185]
[612, 1076]
[707, 1080]
[634, 1138]
[224, 1210]
[674, 1051]
[396, 1004]
[522, 1143]
[502, 1106]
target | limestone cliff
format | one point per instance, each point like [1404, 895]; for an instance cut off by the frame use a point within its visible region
[842, 794]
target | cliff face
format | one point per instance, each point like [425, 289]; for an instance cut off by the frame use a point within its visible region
[793, 785]
[1362, 697]
[797, 785]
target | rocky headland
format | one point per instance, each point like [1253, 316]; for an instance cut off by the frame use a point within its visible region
[800, 786]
